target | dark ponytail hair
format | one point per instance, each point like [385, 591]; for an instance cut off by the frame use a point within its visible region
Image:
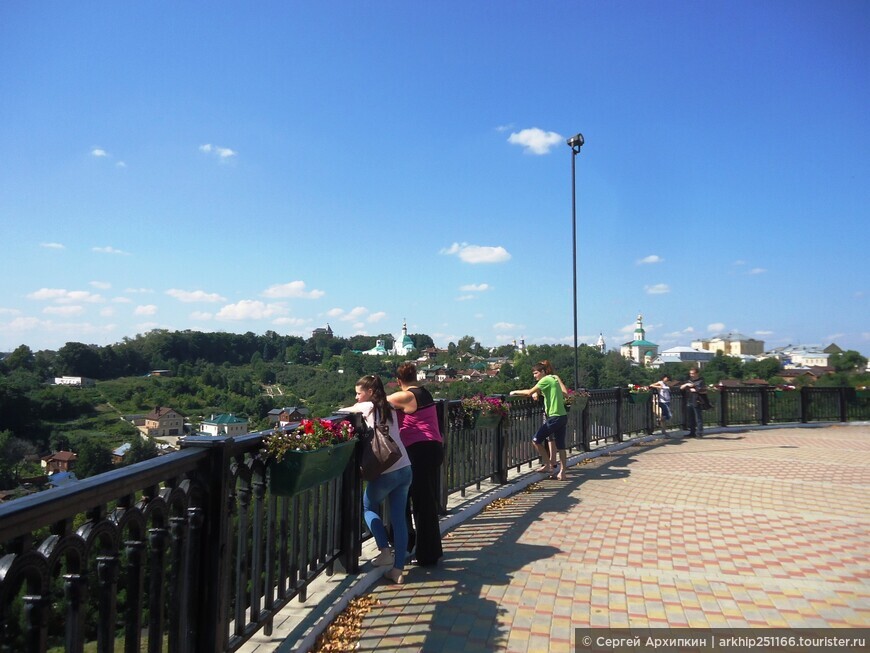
[379, 396]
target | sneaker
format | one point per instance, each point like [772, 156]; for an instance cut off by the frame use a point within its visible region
[395, 576]
[384, 558]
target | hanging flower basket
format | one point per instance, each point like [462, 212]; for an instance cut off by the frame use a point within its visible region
[484, 412]
[639, 397]
[301, 470]
[481, 420]
[578, 404]
[314, 452]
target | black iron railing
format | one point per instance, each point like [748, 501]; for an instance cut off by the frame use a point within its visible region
[191, 552]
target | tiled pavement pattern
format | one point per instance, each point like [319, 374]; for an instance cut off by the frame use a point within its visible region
[763, 528]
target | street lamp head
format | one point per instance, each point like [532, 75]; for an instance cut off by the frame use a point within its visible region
[576, 142]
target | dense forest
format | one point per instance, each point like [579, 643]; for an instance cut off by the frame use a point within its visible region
[249, 375]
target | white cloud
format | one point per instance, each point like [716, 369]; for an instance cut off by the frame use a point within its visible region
[475, 287]
[138, 290]
[478, 253]
[504, 128]
[294, 289]
[357, 313]
[764, 333]
[222, 153]
[376, 317]
[9, 311]
[63, 310]
[465, 298]
[50, 294]
[201, 316]
[102, 285]
[657, 289]
[145, 309]
[739, 262]
[52, 245]
[757, 271]
[109, 250]
[652, 258]
[534, 140]
[188, 296]
[107, 311]
[290, 321]
[121, 164]
[99, 152]
[61, 296]
[506, 326]
[121, 300]
[716, 327]
[249, 309]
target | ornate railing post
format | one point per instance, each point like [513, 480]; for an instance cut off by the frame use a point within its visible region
[351, 508]
[443, 421]
[805, 405]
[211, 539]
[620, 397]
[107, 589]
[765, 405]
[35, 607]
[723, 406]
[135, 590]
[74, 587]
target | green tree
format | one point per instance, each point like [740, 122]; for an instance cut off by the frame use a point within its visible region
[140, 449]
[847, 361]
[92, 457]
[21, 358]
[616, 371]
[77, 359]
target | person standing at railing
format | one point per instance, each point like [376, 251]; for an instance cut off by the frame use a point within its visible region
[692, 389]
[392, 486]
[419, 430]
[662, 405]
[551, 387]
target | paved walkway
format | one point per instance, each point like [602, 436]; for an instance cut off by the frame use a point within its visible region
[766, 528]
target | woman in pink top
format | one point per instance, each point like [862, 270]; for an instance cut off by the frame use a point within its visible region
[418, 428]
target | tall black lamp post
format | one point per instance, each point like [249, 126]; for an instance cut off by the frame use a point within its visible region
[575, 143]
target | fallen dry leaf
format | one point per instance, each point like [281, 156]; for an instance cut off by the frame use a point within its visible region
[343, 634]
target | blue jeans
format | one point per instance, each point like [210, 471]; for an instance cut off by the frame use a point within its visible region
[394, 488]
[696, 419]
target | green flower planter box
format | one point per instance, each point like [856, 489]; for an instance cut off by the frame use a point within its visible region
[639, 397]
[485, 420]
[301, 470]
[578, 404]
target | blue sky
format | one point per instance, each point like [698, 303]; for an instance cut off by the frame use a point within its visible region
[283, 165]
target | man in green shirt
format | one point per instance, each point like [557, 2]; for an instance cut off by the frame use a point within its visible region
[551, 387]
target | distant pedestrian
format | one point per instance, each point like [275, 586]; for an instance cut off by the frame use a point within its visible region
[662, 405]
[692, 389]
[555, 427]
[392, 485]
[419, 430]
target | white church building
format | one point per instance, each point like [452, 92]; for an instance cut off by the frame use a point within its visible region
[402, 345]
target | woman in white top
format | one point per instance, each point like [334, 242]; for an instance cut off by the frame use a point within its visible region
[392, 485]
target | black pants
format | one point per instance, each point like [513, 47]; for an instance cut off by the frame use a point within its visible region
[425, 531]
